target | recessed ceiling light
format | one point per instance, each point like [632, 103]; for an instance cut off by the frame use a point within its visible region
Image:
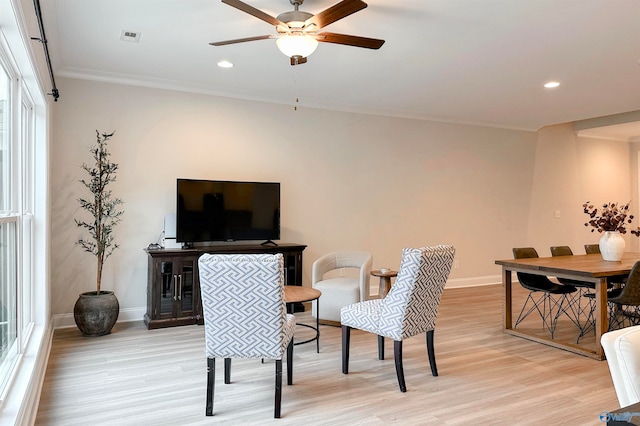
[551, 84]
[225, 64]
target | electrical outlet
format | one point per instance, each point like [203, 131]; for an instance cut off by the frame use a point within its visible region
[456, 264]
[343, 272]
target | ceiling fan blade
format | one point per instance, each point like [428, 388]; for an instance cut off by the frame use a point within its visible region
[335, 12]
[369, 43]
[242, 40]
[253, 11]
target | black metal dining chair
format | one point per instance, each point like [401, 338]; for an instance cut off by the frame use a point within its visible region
[624, 303]
[616, 281]
[592, 248]
[551, 300]
[583, 288]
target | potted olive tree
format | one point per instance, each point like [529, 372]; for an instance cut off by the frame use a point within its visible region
[96, 312]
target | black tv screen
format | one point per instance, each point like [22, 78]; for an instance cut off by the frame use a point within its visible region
[212, 210]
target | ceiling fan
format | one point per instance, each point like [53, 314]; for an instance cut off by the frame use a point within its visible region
[297, 31]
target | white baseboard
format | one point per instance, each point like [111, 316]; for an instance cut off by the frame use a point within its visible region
[454, 283]
[137, 314]
[125, 315]
[474, 281]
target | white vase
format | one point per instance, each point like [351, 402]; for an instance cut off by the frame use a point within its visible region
[612, 246]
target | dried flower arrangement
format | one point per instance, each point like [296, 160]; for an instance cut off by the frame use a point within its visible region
[609, 217]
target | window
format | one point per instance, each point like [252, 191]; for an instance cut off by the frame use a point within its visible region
[27, 145]
[16, 213]
[24, 279]
[8, 320]
[5, 120]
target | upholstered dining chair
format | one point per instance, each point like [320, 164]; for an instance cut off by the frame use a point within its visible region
[583, 287]
[549, 299]
[245, 315]
[592, 248]
[339, 291]
[624, 303]
[566, 251]
[622, 349]
[615, 281]
[410, 308]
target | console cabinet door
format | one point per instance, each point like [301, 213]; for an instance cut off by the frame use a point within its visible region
[292, 267]
[165, 295]
[174, 289]
[185, 289]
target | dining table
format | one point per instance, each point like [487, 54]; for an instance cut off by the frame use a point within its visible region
[586, 267]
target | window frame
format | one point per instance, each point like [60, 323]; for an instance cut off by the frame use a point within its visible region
[17, 189]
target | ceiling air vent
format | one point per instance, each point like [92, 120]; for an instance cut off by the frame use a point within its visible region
[131, 36]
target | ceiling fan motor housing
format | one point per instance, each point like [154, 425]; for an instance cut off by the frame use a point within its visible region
[294, 16]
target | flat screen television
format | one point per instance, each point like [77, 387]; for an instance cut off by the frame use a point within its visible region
[214, 210]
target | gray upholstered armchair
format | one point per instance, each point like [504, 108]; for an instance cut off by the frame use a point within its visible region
[340, 291]
[410, 308]
[245, 315]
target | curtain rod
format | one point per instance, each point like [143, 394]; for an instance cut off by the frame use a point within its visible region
[43, 40]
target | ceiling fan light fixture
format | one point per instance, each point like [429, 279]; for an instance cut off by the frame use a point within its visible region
[297, 45]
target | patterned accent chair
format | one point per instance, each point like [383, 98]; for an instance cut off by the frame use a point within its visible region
[245, 315]
[340, 291]
[410, 307]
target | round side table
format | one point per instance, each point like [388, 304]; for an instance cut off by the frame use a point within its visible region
[298, 294]
[385, 280]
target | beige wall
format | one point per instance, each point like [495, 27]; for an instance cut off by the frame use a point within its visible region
[349, 181]
[568, 172]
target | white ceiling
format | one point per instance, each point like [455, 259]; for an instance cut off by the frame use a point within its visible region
[464, 61]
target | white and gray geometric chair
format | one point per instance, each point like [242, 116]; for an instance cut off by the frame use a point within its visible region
[338, 292]
[410, 307]
[245, 315]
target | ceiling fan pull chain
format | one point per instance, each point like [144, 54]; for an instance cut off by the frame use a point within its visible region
[295, 86]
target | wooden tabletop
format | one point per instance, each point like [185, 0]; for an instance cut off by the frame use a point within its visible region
[587, 265]
[388, 273]
[296, 294]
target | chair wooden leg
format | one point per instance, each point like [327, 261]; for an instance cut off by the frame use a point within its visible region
[346, 337]
[211, 374]
[290, 363]
[431, 352]
[278, 400]
[397, 354]
[227, 371]
[380, 347]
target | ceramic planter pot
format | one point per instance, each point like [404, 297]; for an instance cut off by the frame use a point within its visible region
[96, 314]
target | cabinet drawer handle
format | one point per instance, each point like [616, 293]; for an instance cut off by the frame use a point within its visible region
[180, 287]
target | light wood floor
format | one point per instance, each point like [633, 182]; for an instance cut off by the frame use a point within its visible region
[140, 377]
